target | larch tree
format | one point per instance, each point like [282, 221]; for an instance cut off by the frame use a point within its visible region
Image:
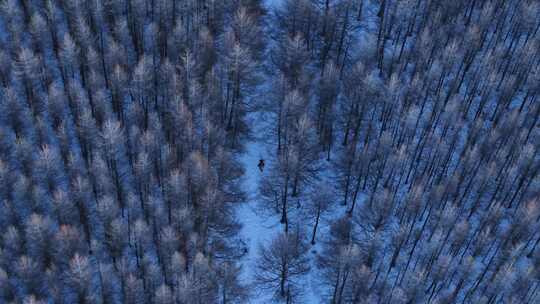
[281, 265]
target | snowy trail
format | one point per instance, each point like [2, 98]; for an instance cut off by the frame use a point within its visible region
[257, 229]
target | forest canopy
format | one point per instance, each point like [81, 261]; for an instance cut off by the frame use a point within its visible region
[285, 151]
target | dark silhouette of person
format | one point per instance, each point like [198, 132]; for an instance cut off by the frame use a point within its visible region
[261, 165]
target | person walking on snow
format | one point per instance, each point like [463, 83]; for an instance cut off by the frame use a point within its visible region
[261, 165]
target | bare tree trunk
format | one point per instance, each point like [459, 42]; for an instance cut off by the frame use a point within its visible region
[316, 224]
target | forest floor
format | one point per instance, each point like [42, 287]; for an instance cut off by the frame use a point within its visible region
[258, 228]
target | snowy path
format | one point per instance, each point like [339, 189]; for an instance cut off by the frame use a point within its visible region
[256, 229]
[259, 230]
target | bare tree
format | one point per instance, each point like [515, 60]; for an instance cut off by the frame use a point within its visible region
[281, 266]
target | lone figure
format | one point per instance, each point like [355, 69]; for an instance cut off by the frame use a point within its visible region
[261, 165]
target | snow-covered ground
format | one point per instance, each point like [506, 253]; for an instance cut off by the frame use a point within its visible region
[255, 229]
[258, 229]
[272, 3]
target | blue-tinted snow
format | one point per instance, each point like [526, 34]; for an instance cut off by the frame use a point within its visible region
[258, 229]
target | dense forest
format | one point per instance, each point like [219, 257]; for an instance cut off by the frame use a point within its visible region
[395, 148]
